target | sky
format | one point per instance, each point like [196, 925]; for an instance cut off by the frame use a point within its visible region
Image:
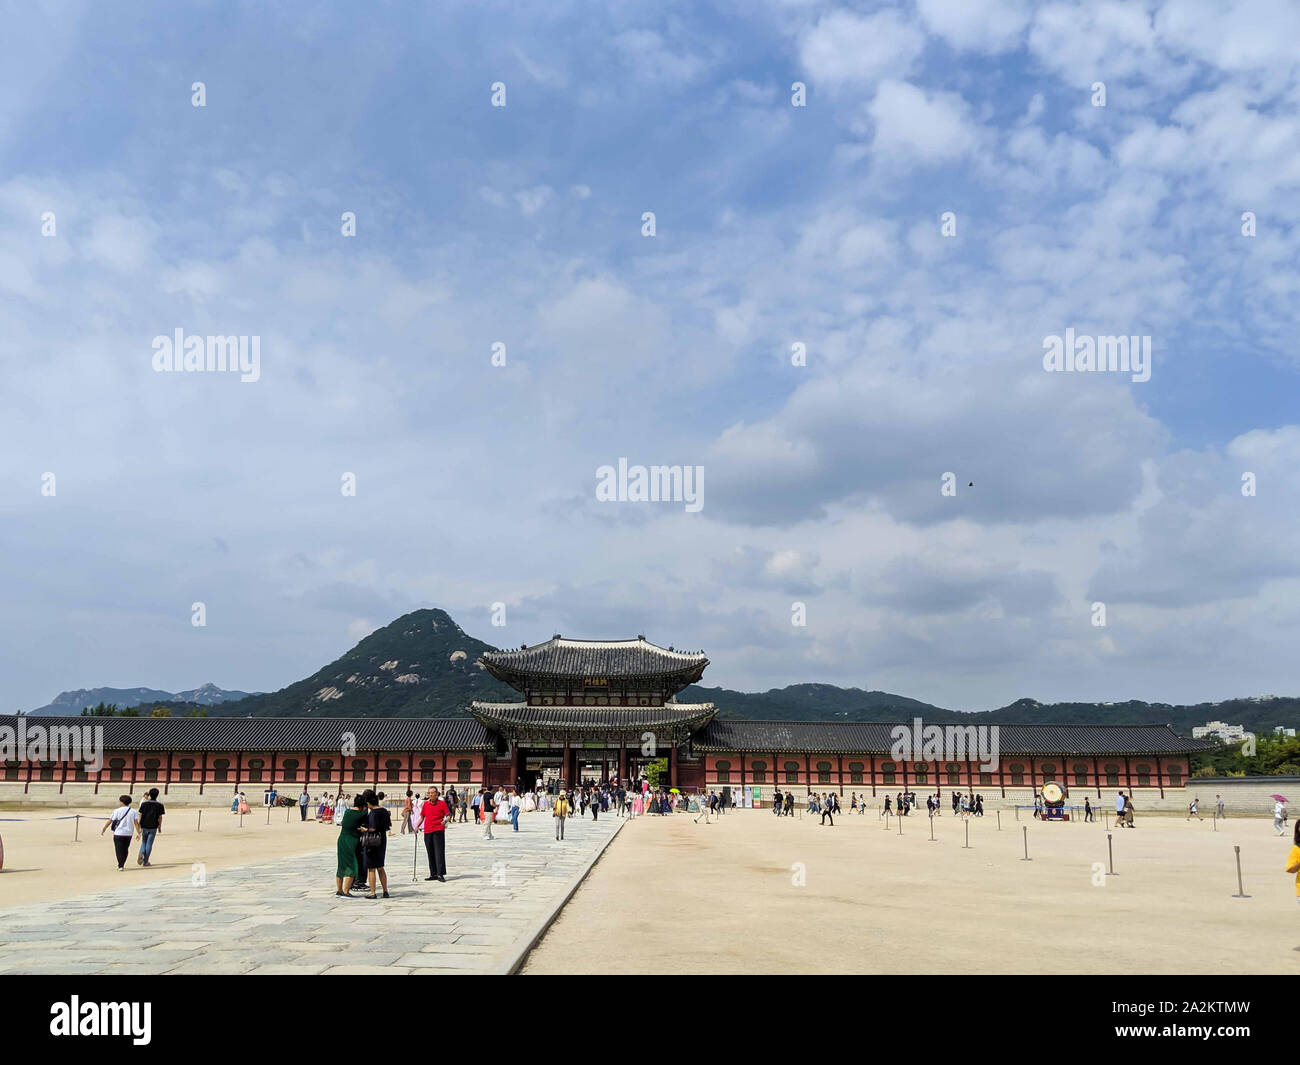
[914, 195]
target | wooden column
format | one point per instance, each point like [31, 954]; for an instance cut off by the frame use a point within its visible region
[203, 773]
[873, 775]
[839, 764]
[168, 782]
[64, 779]
[1160, 776]
[1096, 775]
[1128, 774]
[807, 773]
[135, 762]
[28, 785]
[239, 768]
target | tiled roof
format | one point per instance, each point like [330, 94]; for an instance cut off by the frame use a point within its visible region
[875, 738]
[280, 733]
[559, 657]
[518, 717]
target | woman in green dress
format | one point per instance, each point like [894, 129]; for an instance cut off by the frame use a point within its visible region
[349, 838]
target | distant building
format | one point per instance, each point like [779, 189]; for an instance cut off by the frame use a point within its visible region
[1278, 730]
[1219, 730]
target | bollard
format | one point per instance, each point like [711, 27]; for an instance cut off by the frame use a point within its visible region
[932, 839]
[999, 820]
[286, 814]
[76, 828]
[899, 819]
[1216, 822]
[1026, 858]
[1017, 809]
[1110, 853]
[199, 826]
[967, 845]
[268, 815]
[241, 820]
[1241, 890]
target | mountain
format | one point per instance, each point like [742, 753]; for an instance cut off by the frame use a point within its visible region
[425, 665]
[73, 702]
[421, 665]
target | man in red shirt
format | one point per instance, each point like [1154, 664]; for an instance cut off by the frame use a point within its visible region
[435, 816]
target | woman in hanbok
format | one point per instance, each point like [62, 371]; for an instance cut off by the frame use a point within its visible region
[234, 804]
[243, 804]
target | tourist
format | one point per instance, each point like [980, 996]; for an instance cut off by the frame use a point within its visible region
[515, 803]
[234, 802]
[345, 874]
[477, 805]
[487, 812]
[886, 811]
[776, 802]
[979, 805]
[1128, 811]
[1218, 805]
[243, 803]
[304, 800]
[828, 810]
[560, 811]
[704, 809]
[379, 822]
[789, 804]
[150, 824]
[464, 806]
[595, 806]
[1293, 859]
[1192, 807]
[408, 810]
[434, 815]
[1279, 817]
[1119, 810]
[123, 822]
[1087, 810]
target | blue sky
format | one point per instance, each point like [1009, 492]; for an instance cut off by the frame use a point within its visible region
[775, 224]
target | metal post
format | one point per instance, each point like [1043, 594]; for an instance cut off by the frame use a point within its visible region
[199, 827]
[76, 828]
[268, 815]
[1110, 853]
[1017, 809]
[241, 819]
[999, 820]
[415, 856]
[932, 839]
[967, 845]
[899, 819]
[1026, 858]
[1241, 890]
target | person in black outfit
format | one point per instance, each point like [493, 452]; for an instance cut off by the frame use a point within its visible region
[379, 822]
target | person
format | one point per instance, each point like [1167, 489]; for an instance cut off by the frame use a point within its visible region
[1293, 860]
[150, 823]
[487, 812]
[828, 810]
[345, 872]
[234, 803]
[464, 806]
[1192, 809]
[123, 822]
[703, 808]
[1279, 817]
[304, 800]
[560, 811]
[515, 803]
[1119, 810]
[1128, 811]
[595, 806]
[434, 815]
[1218, 805]
[408, 808]
[477, 804]
[243, 803]
[1087, 809]
[379, 822]
[789, 804]
[886, 811]
[777, 802]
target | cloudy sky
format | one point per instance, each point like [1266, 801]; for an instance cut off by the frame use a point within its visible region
[775, 225]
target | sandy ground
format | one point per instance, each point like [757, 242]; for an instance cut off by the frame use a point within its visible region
[42, 861]
[672, 896]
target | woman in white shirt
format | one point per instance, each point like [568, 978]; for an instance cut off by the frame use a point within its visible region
[123, 822]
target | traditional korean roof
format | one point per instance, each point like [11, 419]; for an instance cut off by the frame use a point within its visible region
[522, 718]
[875, 737]
[262, 734]
[623, 659]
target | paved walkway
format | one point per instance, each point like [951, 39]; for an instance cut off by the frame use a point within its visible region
[282, 917]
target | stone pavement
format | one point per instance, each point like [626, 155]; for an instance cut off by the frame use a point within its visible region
[282, 917]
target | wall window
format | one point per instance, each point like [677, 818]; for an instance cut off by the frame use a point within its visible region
[221, 770]
[187, 770]
[1017, 774]
[392, 770]
[324, 768]
[921, 773]
[954, 773]
[1048, 771]
[47, 771]
[255, 770]
[792, 772]
[115, 768]
[887, 771]
[358, 770]
[823, 772]
[1144, 775]
[759, 770]
[724, 772]
[79, 772]
[986, 780]
[1080, 774]
[855, 772]
[151, 768]
[1112, 775]
[11, 770]
[463, 768]
[427, 766]
[1175, 776]
[289, 768]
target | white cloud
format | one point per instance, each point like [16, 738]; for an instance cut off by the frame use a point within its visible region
[912, 125]
[846, 49]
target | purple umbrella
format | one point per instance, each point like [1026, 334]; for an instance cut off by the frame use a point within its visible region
[1279, 798]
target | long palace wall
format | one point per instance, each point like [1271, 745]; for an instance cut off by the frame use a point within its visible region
[214, 776]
